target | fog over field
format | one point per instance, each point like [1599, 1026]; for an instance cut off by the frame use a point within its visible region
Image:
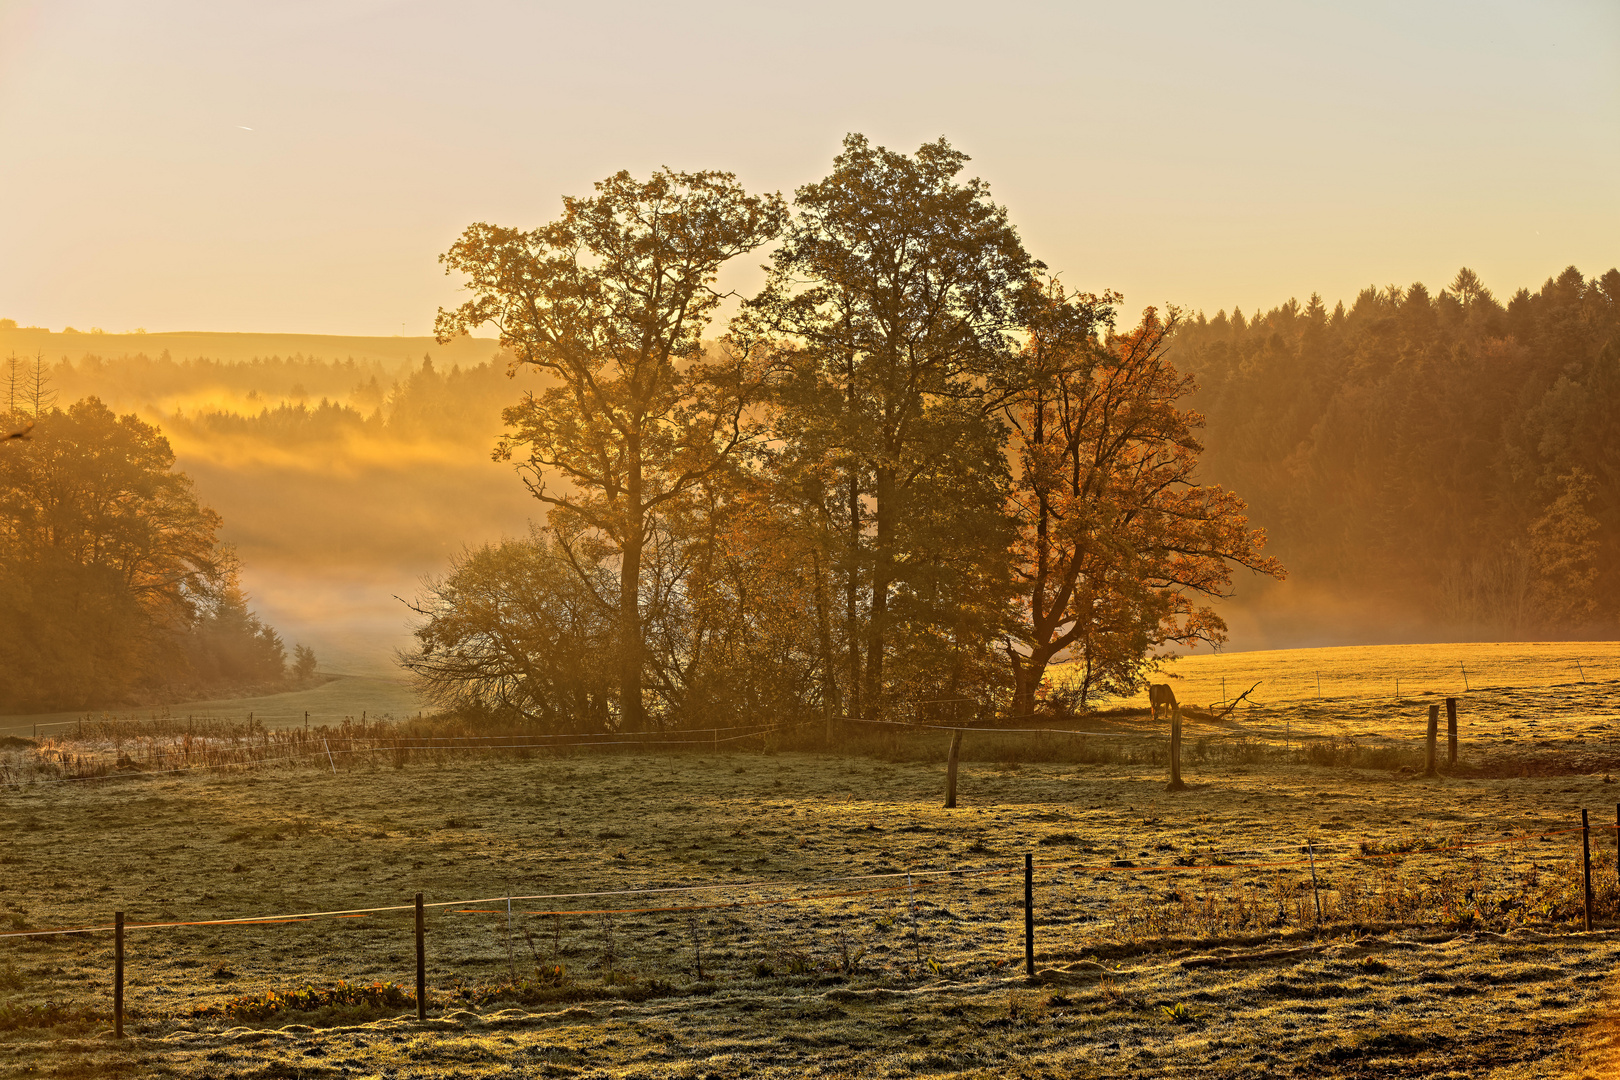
[922, 541]
[331, 521]
[348, 469]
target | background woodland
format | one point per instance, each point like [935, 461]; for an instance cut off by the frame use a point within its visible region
[832, 529]
[1450, 458]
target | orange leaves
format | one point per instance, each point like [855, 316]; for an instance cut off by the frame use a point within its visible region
[1115, 534]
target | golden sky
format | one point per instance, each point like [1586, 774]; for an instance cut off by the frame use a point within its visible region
[298, 165]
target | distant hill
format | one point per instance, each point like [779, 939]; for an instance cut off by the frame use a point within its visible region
[390, 352]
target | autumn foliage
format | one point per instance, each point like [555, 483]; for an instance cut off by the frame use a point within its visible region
[1117, 541]
[114, 587]
[912, 475]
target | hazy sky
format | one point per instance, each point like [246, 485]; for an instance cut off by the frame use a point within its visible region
[284, 165]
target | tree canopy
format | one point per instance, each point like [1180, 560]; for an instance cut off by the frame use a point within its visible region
[897, 287]
[113, 584]
[611, 300]
[819, 514]
[1450, 460]
[1118, 541]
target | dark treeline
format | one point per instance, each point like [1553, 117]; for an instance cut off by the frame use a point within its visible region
[458, 405]
[114, 587]
[1451, 457]
[296, 400]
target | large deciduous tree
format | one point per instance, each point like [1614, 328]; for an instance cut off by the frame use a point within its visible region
[896, 285]
[1117, 538]
[611, 300]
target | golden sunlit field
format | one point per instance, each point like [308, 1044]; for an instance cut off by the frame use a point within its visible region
[1374, 673]
[1176, 934]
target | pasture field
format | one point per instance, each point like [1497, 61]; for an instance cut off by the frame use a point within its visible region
[1177, 934]
[342, 696]
[1373, 674]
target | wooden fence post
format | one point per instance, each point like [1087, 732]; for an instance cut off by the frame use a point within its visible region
[1161, 694]
[1451, 731]
[1434, 732]
[950, 770]
[118, 975]
[1175, 749]
[421, 963]
[1586, 864]
[1316, 891]
[1029, 915]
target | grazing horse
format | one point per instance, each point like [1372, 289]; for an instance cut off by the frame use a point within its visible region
[1161, 694]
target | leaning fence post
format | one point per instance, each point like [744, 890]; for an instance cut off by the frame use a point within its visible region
[1029, 915]
[118, 975]
[421, 964]
[950, 770]
[1451, 731]
[1434, 732]
[1586, 864]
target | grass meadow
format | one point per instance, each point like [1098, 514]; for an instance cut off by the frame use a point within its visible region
[1177, 934]
[329, 703]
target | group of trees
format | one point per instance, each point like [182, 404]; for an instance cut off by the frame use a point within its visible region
[113, 585]
[420, 403]
[27, 385]
[294, 401]
[1450, 458]
[914, 469]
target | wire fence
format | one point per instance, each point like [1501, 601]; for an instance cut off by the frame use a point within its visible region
[903, 926]
[1386, 674]
[100, 750]
[159, 748]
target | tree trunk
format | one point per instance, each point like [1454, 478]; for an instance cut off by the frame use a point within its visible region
[1026, 680]
[829, 675]
[632, 714]
[852, 637]
[1028, 674]
[882, 573]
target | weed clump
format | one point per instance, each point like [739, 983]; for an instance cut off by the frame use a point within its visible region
[341, 997]
[1025, 1009]
[50, 1014]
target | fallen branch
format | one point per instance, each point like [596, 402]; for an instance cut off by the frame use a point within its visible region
[1233, 705]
